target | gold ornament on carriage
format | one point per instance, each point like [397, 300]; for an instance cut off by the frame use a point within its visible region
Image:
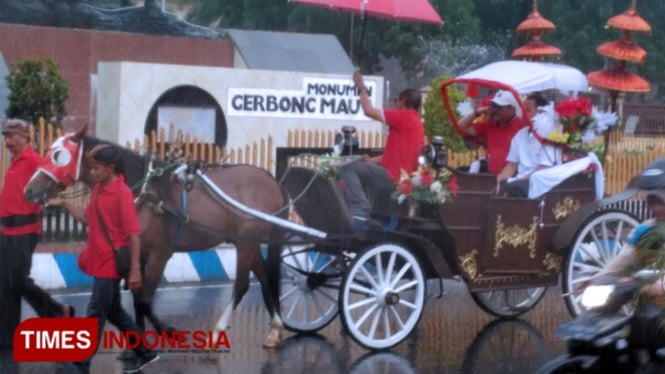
[553, 262]
[469, 264]
[516, 236]
[565, 207]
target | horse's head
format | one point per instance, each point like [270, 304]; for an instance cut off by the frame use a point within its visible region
[60, 168]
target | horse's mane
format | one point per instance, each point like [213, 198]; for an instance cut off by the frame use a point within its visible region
[134, 164]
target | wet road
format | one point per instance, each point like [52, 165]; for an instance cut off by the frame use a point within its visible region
[453, 336]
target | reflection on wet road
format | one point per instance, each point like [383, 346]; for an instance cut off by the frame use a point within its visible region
[453, 336]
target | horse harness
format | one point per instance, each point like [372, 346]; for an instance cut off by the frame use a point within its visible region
[184, 221]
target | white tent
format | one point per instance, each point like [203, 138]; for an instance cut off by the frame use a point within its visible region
[526, 76]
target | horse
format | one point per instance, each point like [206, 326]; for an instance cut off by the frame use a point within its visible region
[170, 220]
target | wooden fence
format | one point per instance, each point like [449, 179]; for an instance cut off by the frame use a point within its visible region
[651, 118]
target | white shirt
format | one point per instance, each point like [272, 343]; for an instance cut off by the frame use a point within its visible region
[528, 153]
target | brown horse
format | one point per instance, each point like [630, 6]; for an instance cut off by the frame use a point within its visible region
[166, 228]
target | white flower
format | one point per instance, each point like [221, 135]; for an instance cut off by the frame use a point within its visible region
[603, 120]
[436, 187]
[416, 180]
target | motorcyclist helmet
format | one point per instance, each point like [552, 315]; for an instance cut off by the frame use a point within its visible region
[652, 180]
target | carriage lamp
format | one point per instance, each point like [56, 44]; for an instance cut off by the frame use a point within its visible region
[347, 144]
[434, 154]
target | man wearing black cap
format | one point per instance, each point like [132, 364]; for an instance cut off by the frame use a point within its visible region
[20, 226]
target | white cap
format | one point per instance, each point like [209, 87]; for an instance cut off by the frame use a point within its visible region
[505, 98]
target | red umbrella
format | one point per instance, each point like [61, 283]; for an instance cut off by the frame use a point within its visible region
[399, 10]
[536, 49]
[622, 49]
[618, 79]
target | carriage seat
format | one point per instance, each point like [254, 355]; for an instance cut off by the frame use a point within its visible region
[544, 180]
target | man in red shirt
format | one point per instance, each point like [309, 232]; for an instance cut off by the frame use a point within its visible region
[20, 226]
[113, 223]
[505, 120]
[369, 183]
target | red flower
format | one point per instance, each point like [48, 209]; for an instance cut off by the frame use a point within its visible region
[567, 108]
[572, 108]
[405, 187]
[426, 179]
[452, 185]
[584, 106]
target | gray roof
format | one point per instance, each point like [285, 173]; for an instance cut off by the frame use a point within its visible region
[312, 53]
[4, 90]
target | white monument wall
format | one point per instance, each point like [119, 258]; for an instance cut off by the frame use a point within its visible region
[256, 103]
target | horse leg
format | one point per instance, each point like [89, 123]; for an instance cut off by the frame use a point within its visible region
[271, 300]
[154, 269]
[245, 254]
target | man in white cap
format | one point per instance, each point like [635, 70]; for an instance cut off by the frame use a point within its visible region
[504, 121]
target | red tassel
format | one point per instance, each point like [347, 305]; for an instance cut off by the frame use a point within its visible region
[472, 90]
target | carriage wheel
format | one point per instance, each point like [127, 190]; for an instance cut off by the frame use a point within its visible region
[508, 303]
[598, 241]
[382, 296]
[309, 289]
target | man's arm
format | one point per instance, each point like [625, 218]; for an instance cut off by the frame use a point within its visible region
[76, 212]
[466, 123]
[508, 171]
[365, 104]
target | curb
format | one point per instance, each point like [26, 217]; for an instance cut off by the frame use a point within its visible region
[54, 271]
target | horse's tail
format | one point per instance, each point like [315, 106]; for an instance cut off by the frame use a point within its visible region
[274, 258]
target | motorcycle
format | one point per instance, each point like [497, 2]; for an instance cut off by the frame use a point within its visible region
[619, 333]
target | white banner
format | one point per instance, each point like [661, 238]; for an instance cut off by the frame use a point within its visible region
[319, 98]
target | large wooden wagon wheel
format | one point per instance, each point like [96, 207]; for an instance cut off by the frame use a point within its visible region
[309, 289]
[598, 241]
[382, 296]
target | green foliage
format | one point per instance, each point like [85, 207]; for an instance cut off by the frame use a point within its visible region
[651, 244]
[37, 90]
[436, 119]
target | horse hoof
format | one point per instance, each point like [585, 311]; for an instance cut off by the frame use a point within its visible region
[271, 343]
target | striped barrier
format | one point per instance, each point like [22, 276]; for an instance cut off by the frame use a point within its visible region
[59, 270]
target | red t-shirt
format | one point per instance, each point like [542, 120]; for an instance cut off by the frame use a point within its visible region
[498, 141]
[405, 139]
[116, 206]
[12, 201]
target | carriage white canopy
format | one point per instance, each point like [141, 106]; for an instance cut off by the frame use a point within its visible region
[526, 76]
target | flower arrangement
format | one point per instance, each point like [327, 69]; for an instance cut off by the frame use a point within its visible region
[580, 123]
[328, 164]
[427, 185]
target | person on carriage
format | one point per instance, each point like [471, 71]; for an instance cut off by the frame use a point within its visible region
[370, 183]
[504, 120]
[534, 104]
[527, 154]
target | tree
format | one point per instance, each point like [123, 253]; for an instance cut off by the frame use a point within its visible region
[37, 90]
[436, 119]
